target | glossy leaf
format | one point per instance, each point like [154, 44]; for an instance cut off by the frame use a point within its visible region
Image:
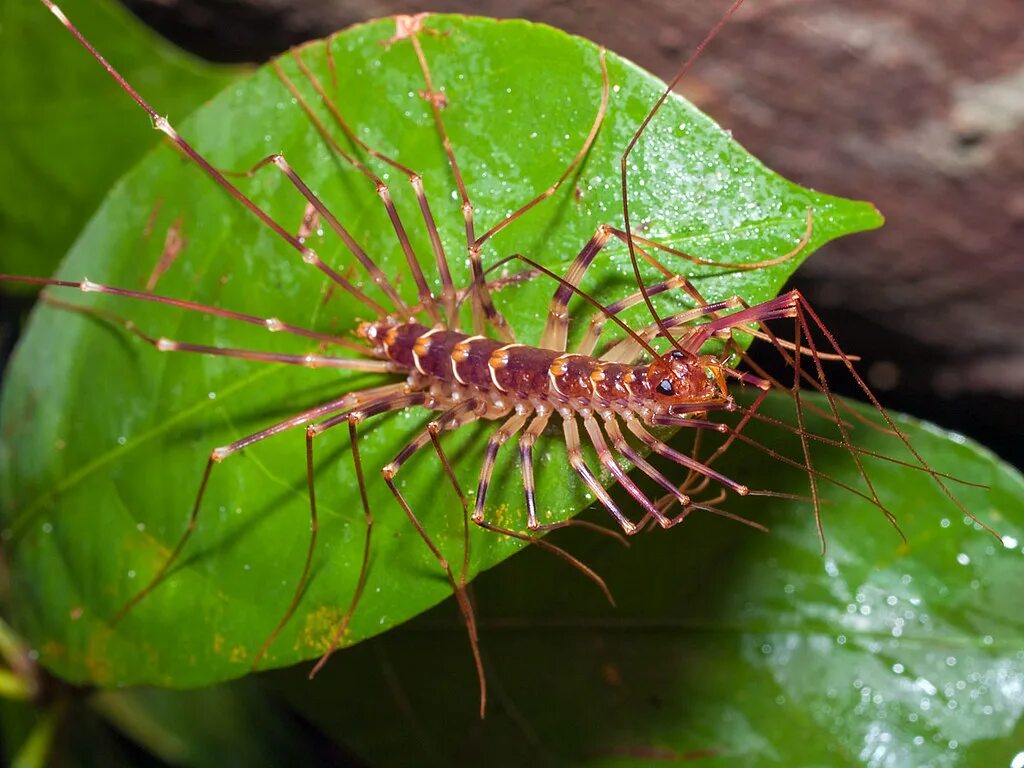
[739, 647]
[67, 134]
[105, 439]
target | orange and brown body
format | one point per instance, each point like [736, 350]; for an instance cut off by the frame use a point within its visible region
[526, 379]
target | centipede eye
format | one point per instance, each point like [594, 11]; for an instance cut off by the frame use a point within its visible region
[666, 388]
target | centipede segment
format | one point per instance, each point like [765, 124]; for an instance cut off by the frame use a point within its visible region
[619, 390]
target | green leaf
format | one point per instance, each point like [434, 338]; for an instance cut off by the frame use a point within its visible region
[105, 439]
[750, 647]
[67, 134]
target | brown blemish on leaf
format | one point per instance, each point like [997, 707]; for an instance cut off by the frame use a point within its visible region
[238, 655]
[218, 644]
[174, 243]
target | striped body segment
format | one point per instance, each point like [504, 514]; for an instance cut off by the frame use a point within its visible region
[525, 378]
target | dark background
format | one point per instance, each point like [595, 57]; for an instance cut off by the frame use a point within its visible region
[917, 106]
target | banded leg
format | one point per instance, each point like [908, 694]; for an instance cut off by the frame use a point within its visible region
[426, 298]
[163, 125]
[625, 449]
[633, 425]
[526, 442]
[219, 454]
[572, 444]
[272, 324]
[604, 455]
[556, 328]
[395, 397]
[415, 180]
[494, 443]
[737, 266]
[280, 162]
[353, 419]
[458, 414]
[482, 303]
[483, 299]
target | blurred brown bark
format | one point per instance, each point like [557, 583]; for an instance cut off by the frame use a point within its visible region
[917, 106]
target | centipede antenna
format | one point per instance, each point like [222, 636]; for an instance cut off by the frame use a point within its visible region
[624, 165]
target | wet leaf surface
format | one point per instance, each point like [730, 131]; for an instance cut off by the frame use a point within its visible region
[105, 439]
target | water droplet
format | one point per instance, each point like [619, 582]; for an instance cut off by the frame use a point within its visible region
[963, 559]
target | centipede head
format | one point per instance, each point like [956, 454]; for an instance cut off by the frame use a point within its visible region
[676, 379]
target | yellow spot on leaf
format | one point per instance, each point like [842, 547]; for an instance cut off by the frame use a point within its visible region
[318, 629]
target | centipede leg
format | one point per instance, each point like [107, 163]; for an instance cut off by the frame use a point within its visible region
[631, 455]
[389, 472]
[280, 162]
[219, 454]
[494, 443]
[604, 455]
[556, 328]
[353, 418]
[572, 444]
[526, 442]
[484, 310]
[448, 293]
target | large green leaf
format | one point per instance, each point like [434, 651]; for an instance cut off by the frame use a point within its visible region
[67, 134]
[105, 439]
[749, 648]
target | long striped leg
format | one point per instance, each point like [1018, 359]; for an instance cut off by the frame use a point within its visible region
[353, 418]
[484, 300]
[738, 266]
[219, 454]
[494, 443]
[625, 449]
[582, 153]
[498, 439]
[628, 350]
[572, 443]
[556, 328]
[426, 299]
[456, 415]
[415, 180]
[394, 397]
[604, 455]
[526, 442]
[272, 324]
[483, 305]
[633, 425]
[280, 162]
[163, 125]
